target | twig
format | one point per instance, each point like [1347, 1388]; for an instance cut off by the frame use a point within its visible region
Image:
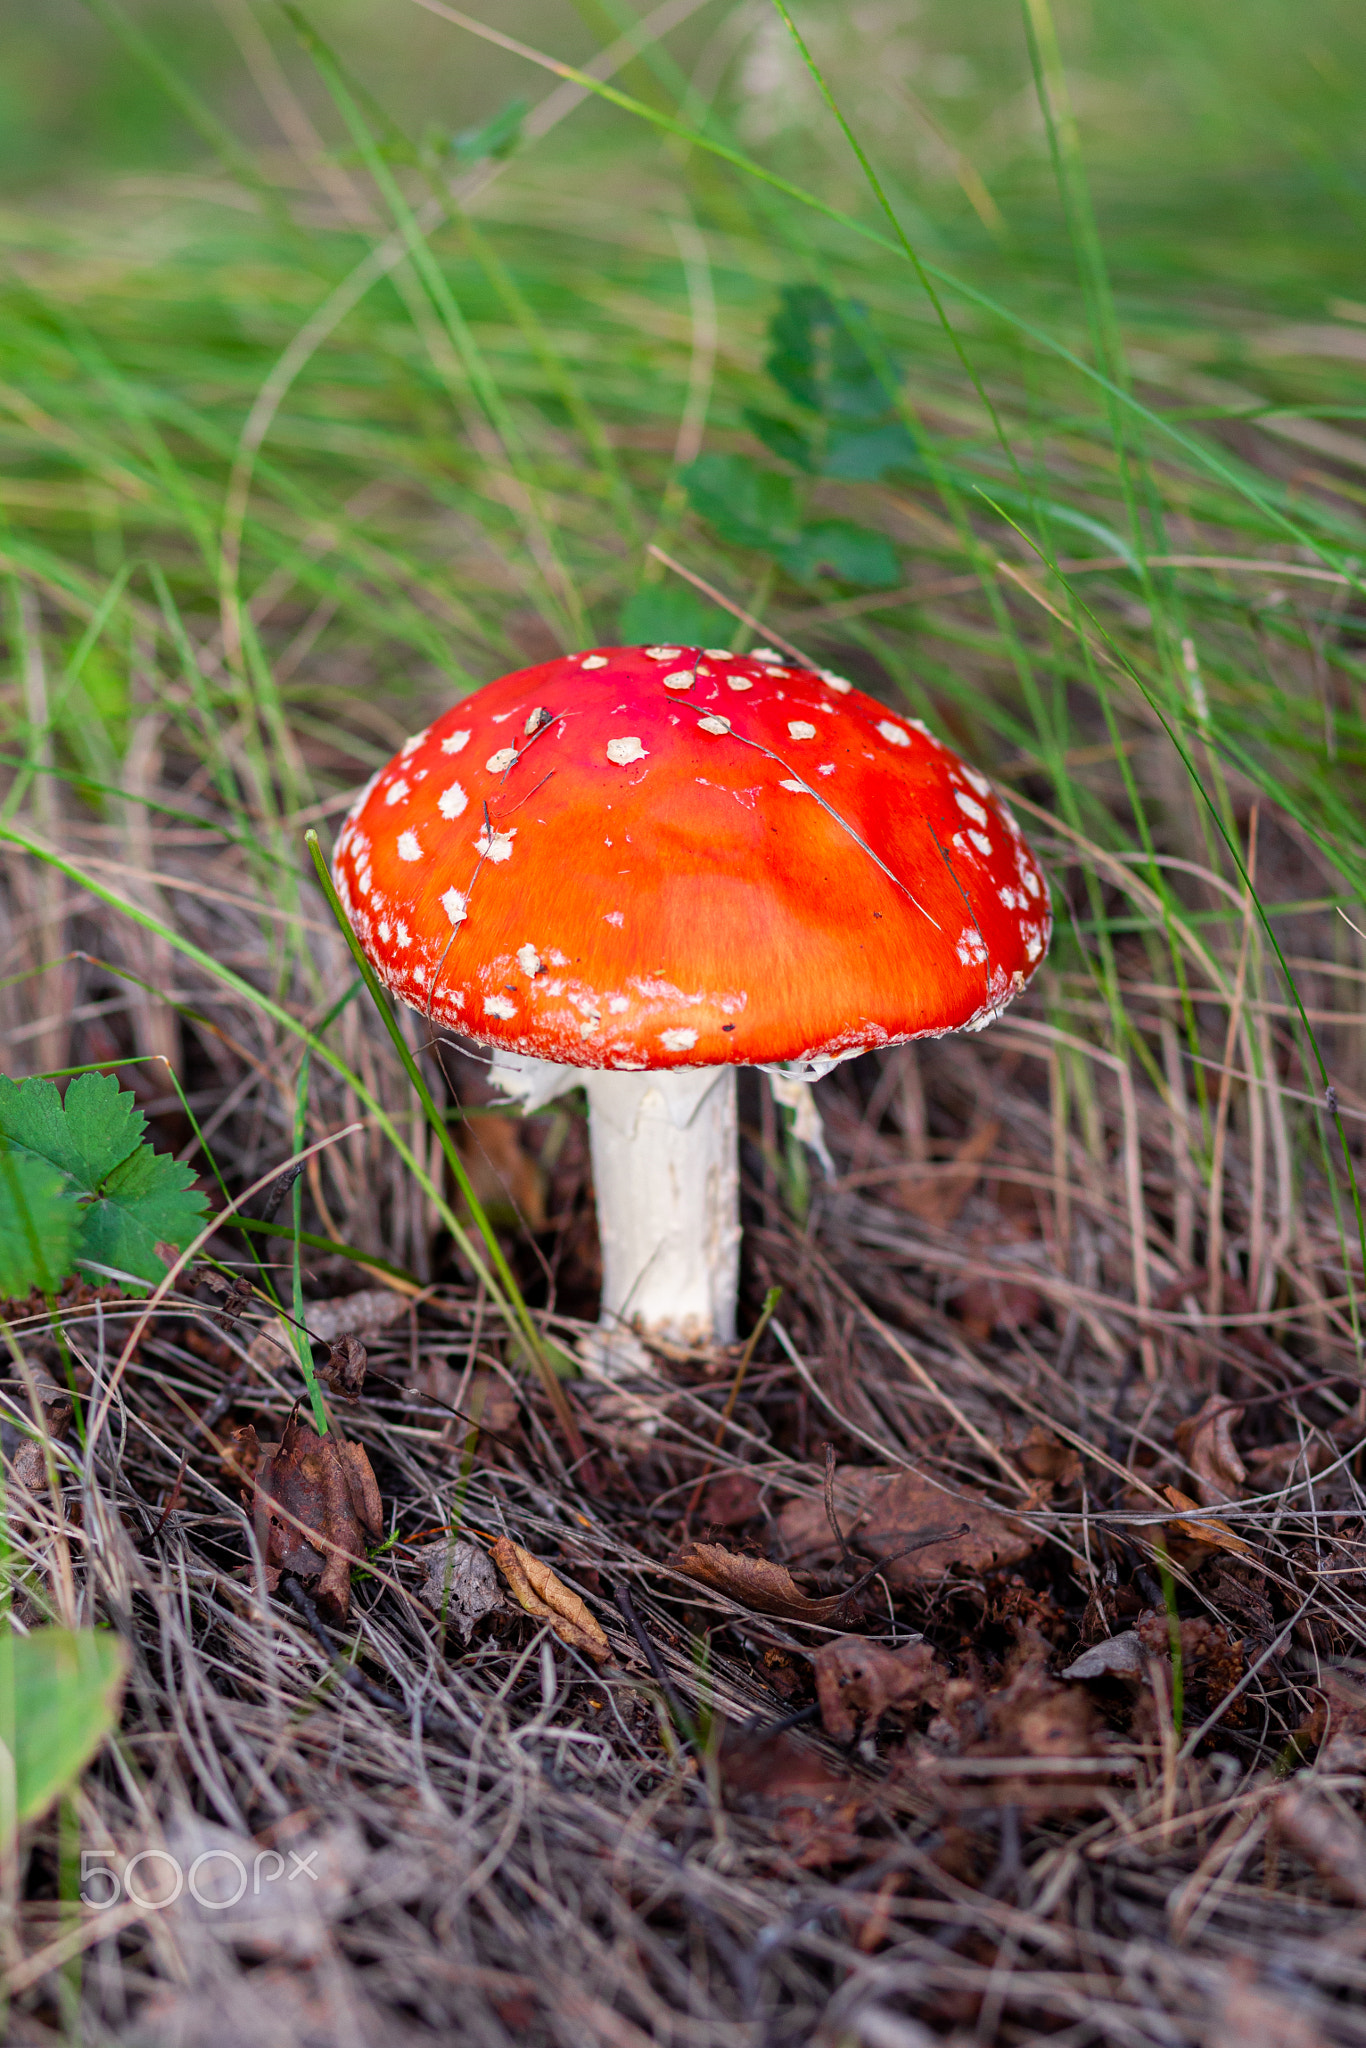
[771, 1300]
[845, 1552]
[682, 1720]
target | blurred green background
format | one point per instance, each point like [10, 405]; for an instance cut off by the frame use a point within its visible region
[1225, 143]
[1126, 325]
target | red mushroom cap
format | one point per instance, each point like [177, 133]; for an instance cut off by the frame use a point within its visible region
[674, 857]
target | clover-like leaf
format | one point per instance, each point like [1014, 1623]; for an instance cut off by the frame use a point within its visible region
[128, 1198]
[87, 1135]
[40, 1219]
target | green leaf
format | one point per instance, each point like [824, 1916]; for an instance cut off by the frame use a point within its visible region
[87, 1135]
[781, 438]
[863, 454]
[39, 1221]
[496, 138]
[59, 1698]
[148, 1199]
[819, 360]
[804, 313]
[848, 553]
[753, 506]
[134, 1197]
[673, 616]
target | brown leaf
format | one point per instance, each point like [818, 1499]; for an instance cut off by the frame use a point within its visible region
[1237, 1590]
[1012, 1747]
[755, 1582]
[323, 1483]
[237, 1296]
[1045, 1456]
[345, 1368]
[460, 1584]
[493, 1404]
[536, 1589]
[1339, 1715]
[855, 1677]
[814, 1811]
[882, 1512]
[1217, 1534]
[1251, 2014]
[1205, 1441]
[985, 1303]
[730, 1500]
[28, 1462]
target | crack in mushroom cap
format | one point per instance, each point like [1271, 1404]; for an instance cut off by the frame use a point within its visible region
[669, 879]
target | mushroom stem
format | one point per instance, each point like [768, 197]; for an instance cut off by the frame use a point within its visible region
[667, 1180]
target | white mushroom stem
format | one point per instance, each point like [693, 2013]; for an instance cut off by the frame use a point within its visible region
[667, 1181]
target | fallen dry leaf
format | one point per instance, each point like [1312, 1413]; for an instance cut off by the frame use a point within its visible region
[1217, 1534]
[937, 1198]
[345, 1368]
[883, 1512]
[266, 1920]
[755, 1582]
[460, 1583]
[326, 1484]
[1012, 1746]
[1045, 1456]
[1205, 1441]
[493, 1405]
[1338, 1723]
[731, 1499]
[1250, 2013]
[237, 1296]
[1238, 1591]
[28, 1460]
[536, 1589]
[985, 1304]
[988, 1301]
[860, 1680]
[814, 1811]
[1121, 1656]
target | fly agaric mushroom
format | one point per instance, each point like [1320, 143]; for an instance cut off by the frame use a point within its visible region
[643, 867]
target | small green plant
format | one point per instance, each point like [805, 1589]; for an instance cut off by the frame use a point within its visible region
[841, 422]
[81, 1186]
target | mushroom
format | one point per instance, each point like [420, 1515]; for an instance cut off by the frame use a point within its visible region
[640, 868]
